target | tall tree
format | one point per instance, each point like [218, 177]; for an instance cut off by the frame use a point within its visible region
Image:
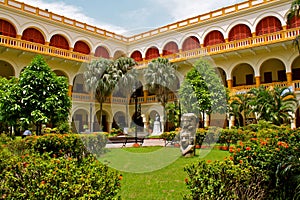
[202, 91]
[9, 104]
[43, 95]
[128, 78]
[101, 77]
[160, 76]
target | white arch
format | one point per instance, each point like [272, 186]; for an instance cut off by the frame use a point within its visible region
[237, 22]
[186, 36]
[64, 71]
[168, 41]
[132, 51]
[210, 29]
[78, 107]
[104, 110]
[62, 33]
[13, 64]
[13, 22]
[264, 59]
[123, 50]
[149, 46]
[43, 30]
[233, 66]
[86, 40]
[268, 14]
[105, 45]
[290, 61]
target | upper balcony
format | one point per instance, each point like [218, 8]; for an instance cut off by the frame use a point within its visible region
[255, 41]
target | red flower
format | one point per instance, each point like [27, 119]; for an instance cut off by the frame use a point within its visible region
[241, 161]
[208, 161]
[248, 148]
[186, 180]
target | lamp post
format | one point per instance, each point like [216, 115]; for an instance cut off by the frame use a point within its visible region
[135, 108]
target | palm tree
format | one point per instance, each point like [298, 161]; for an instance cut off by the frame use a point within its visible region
[288, 178]
[161, 79]
[100, 78]
[275, 105]
[239, 105]
[127, 79]
[294, 12]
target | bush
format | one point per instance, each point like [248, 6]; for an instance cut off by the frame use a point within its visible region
[37, 176]
[224, 180]
[71, 145]
[266, 150]
[169, 136]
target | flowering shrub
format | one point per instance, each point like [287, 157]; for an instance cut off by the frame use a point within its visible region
[259, 166]
[71, 145]
[224, 180]
[35, 176]
[266, 150]
[231, 137]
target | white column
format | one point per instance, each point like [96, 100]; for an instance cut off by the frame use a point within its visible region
[231, 121]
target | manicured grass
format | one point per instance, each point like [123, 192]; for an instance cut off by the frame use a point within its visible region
[166, 182]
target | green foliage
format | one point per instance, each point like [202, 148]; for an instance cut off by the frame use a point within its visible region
[10, 109]
[230, 137]
[257, 103]
[169, 136]
[160, 77]
[288, 178]
[42, 177]
[116, 131]
[202, 90]
[266, 150]
[44, 96]
[103, 77]
[71, 145]
[224, 180]
[173, 113]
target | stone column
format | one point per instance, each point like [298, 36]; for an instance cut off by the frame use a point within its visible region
[146, 93]
[109, 126]
[145, 123]
[230, 84]
[289, 78]
[257, 81]
[70, 90]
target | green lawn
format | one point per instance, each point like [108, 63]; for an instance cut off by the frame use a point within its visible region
[154, 172]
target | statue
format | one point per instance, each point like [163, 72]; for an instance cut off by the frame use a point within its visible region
[156, 126]
[188, 134]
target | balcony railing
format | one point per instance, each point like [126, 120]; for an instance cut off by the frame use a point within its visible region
[83, 97]
[280, 36]
[43, 49]
[251, 42]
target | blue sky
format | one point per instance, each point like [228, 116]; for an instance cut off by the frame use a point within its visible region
[129, 17]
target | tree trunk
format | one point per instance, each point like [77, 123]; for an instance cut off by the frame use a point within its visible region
[100, 118]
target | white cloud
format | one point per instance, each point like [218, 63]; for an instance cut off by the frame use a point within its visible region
[73, 12]
[179, 9]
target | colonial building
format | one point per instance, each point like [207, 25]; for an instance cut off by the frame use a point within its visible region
[249, 42]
